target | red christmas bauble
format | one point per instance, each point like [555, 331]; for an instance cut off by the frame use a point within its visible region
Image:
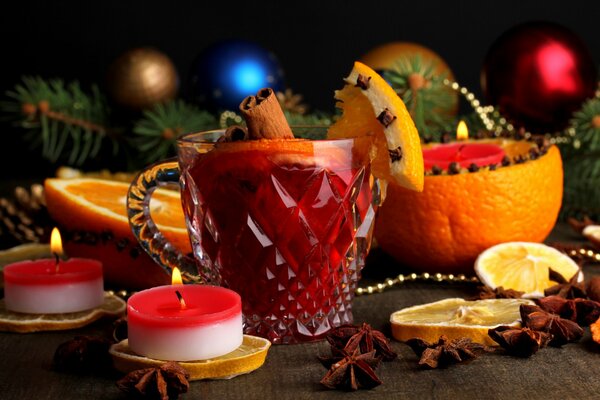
[538, 74]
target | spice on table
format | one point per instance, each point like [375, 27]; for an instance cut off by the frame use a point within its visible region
[520, 342]
[579, 225]
[445, 352]
[367, 339]
[558, 305]
[588, 311]
[570, 289]
[582, 311]
[165, 382]
[352, 372]
[486, 292]
[593, 288]
[83, 354]
[563, 330]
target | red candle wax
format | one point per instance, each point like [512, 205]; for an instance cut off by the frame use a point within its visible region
[465, 154]
[45, 287]
[205, 305]
[47, 272]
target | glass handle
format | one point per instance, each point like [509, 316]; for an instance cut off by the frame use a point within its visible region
[145, 230]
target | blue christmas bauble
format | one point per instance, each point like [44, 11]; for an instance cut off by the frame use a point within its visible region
[226, 72]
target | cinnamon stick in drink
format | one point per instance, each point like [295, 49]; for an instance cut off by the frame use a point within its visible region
[264, 116]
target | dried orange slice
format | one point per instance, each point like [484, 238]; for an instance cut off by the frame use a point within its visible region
[98, 207]
[248, 357]
[595, 329]
[456, 318]
[370, 106]
[524, 267]
[10, 321]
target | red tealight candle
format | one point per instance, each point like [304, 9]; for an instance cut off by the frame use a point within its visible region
[464, 153]
[184, 322]
[53, 286]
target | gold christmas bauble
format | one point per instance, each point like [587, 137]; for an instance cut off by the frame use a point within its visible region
[141, 78]
[385, 56]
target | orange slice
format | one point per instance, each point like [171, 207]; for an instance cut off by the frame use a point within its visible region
[101, 204]
[10, 321]
[524, 267]
[96, 206]
[456, 318]
[399, 157]
[248, 357]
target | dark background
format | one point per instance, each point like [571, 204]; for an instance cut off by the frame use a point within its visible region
[316, 41]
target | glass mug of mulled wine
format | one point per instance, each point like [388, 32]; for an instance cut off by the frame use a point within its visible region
[285, 223]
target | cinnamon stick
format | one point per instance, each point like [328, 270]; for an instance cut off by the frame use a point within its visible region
[264, 116]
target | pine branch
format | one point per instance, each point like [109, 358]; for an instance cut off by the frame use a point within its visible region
[582, 163]
[424, 94]
[157, 132]
[67, 123]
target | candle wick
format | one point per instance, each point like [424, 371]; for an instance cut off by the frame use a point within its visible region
[181, 301]
[57, 259]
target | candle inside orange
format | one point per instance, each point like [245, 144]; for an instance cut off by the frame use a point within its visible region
[462, 152]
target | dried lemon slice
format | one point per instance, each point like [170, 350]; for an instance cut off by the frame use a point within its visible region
[456, 318]
[524, 267]
[10, 321]
[248, 357]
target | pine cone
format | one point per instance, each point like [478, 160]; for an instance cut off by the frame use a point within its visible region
[24, 217]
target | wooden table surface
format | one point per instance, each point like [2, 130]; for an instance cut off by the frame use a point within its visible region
[293, 372]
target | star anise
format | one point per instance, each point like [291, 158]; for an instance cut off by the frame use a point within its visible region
[578, 226]
[560, 306]
[562, 330]
[445, 352]
[582, 311]
[365, 338]
[520, 342]
[593, 288]
[164, 383]
[352, 372]
[588, 311]
[83, 354]
[486, 292]
[570, 289]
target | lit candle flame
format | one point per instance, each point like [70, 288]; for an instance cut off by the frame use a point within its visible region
[462, 132]
[176, 277]
[56, 244]
[176, 280]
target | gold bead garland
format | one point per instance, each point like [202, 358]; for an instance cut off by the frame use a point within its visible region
[425, 276]
[586, 253]
[496, 123]
[591, 255]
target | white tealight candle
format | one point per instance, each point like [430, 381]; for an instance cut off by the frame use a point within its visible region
[184, 322]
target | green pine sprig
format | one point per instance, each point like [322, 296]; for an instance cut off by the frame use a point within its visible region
[582, 163]
[63, 120]
[424, 93]
[156, 133]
